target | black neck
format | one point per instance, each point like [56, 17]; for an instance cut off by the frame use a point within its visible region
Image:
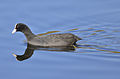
[28, 33]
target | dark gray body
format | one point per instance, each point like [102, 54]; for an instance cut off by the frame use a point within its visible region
[66, 39]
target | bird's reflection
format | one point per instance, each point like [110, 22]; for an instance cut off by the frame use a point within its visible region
[30, 50]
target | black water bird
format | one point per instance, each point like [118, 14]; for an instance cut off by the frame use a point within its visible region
[65, 39]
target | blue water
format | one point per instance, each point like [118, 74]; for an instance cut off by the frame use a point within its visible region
[97, 22]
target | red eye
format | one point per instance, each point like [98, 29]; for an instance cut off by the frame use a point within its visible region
[16, 27]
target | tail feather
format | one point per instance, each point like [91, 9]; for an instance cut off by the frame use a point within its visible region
[77, 38]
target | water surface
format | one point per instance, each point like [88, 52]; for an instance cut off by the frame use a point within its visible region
[97, 22]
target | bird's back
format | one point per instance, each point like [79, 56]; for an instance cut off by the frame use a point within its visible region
[66, 39]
